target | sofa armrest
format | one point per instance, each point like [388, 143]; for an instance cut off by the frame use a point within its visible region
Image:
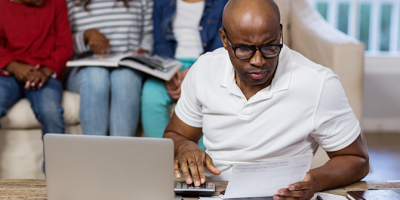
[319, 41]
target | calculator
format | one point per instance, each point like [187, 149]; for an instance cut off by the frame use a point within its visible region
[189, 190]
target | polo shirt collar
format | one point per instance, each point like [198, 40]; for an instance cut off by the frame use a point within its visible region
[280, 82]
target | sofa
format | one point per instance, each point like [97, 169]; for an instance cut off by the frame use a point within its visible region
[304, 31]
[21, 146]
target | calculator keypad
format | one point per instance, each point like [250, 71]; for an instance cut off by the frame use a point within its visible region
[204, 190]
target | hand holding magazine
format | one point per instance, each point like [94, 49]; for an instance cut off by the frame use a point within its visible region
[155, 65]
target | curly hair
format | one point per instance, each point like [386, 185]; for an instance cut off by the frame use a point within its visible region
[85, 3]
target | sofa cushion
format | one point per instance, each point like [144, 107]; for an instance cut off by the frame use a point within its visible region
[21, 116]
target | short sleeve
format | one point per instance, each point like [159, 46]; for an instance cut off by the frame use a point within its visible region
[188, 108]
[335, 124]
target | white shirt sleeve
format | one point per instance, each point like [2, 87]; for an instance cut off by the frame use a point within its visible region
[188, 108]
[335, 125]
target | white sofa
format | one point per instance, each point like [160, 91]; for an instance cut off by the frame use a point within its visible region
[304, 31]
[21, 146]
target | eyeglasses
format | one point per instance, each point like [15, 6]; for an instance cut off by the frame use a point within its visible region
[248, 51]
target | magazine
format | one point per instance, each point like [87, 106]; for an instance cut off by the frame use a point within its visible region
[155, 65]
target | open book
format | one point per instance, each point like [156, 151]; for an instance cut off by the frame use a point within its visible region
[157, 66]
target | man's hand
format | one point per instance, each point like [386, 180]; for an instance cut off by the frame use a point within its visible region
[174, 85]
[140, 51]
[38, 78]
[302, 191]
[192, 156]
[21, 71]
[98, 43]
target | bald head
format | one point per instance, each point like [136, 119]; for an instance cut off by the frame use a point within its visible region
[250, 14]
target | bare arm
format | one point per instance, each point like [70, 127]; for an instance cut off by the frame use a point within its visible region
[346, 166]
[187, 152]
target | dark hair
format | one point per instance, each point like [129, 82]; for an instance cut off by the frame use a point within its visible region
[85, 3]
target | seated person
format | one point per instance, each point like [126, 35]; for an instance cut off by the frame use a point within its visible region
[35, 44]
[191, 31]
[256, 100]
[109, 97]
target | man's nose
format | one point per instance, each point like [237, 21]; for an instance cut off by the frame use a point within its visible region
[257, 60]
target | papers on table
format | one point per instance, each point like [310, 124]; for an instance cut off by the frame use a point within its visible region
[325, 196]
[264, 179]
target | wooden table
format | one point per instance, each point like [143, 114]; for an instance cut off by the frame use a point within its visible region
[36, 188]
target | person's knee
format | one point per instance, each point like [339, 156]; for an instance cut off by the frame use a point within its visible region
[125, 76]
[94, 80]
[154, 94]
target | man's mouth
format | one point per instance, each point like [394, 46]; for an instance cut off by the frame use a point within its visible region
[257, 75]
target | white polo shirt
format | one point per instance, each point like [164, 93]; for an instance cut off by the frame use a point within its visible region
[304, 107]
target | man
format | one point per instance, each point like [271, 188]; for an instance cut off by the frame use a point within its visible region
[256, 100]
[35, 44]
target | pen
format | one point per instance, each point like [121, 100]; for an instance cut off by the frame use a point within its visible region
[319, 197]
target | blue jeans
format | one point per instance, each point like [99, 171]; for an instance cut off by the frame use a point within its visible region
[155, 105]
[110, 99]
[45, 102]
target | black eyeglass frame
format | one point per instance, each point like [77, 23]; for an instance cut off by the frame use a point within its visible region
[255, 48]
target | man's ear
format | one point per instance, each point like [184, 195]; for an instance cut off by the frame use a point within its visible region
[223, 38]
[281, 32]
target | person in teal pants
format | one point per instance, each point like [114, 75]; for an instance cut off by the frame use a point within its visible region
[183, 29]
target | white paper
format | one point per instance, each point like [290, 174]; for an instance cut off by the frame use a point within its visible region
[264, 179]
[327, 196]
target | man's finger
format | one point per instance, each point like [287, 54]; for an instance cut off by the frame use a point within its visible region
[305, 184]
[176, 169]
[300, 186]
[210, 165]
[185, 170]
[278, 197]
[200, 168]
[288, 193]
[193, 163]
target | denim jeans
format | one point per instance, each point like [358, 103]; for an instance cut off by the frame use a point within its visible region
[110, 99]
[45, 102]
[155, 105]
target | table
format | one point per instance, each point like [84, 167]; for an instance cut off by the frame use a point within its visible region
[36, 188]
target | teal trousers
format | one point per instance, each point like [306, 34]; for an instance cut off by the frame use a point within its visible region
[155, 102]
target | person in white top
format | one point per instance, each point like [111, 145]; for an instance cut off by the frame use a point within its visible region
[255, 100]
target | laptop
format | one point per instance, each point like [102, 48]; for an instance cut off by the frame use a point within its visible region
[82, 167]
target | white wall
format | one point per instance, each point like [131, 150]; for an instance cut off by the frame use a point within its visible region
[381, 108]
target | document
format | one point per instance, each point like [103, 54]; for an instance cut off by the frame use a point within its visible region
[325, 196]
[264, 179]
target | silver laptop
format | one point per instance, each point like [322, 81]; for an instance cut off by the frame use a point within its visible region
[111, 168]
